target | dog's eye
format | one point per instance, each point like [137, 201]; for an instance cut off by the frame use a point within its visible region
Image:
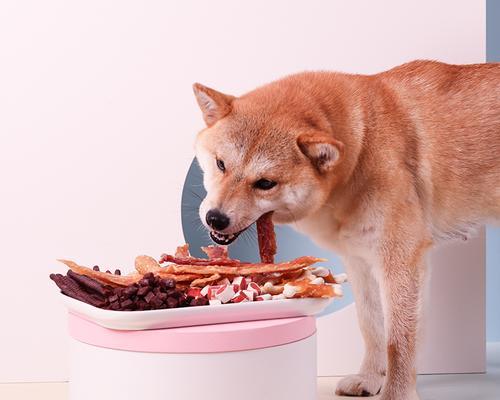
[264, 184]
[220, 165]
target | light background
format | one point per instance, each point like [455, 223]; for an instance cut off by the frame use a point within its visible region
[97, 121]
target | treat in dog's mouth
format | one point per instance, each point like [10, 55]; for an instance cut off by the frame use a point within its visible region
[265, 232]
[222, 238]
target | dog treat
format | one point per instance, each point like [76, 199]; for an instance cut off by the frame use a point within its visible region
[339, 278]
[182, 251]
[200, 282]
[245, 269]
[103, 277]
[150, 293]
[188, 260]
[167, 274]
[266, 238]
[270, 288]
[71, 288]
[145, 264]
[309, 289]
[320, 272]
[87, 283]
[215, 252]
[181, 280]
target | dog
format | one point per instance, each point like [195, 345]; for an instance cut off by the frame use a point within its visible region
[377, 168]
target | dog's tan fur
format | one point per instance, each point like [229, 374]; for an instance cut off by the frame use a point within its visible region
[377, 168]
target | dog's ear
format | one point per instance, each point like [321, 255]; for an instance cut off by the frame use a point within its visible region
[323, 151]
[213, 104]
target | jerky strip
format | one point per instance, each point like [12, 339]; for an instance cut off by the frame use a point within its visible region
[182, 251]
[168, 273]
[70, 288]
[145, 264]
[108, 279]
[215, 252]
[244, 269]
[200, 282]
[266, 238]
[301, 289]
[87, 283]
[228, 262]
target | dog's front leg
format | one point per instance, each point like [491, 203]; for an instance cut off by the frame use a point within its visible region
[369, 379]
[402, 279]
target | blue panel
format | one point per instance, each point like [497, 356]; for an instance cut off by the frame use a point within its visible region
[493, 31]
[493, 234]
[493, 285]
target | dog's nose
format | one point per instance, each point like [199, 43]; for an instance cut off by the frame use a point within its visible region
[217, 220]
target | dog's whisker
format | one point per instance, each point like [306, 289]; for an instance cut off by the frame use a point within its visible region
[195, 194]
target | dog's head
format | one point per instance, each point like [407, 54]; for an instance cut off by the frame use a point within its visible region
[264, 151]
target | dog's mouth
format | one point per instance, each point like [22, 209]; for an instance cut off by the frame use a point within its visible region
[224, 239]
[227, 238]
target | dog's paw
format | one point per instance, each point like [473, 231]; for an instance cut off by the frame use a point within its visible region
[360, 385]
[412, 395]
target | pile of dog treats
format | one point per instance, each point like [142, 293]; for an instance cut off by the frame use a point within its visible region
[181, 280]
[149, 293]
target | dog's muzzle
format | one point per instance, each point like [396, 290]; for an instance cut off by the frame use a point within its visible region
[222, 238]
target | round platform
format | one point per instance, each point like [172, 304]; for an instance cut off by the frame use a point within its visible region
[197, 339]
[246, 360]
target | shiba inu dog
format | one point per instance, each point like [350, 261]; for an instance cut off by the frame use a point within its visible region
[377, 168]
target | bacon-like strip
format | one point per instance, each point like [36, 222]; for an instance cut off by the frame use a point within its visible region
[306, 289]
[145, 264]
[200, 282]
[217, 255]
[199, 261]
[244, 269]
[126, 280]
[164, 273]
[215, 252]
[103, 277]
[182, 251]
[266, 238]
[277, 278]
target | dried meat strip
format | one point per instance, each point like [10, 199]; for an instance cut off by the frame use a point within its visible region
[201, 282]
[182, 251]
[245, 269]
[88, 283]
[301, 289]
[217, 255]
[215, 252]
[103, 277]
[145, 264]
[167, 273]
[266, 238]
[228, 262]
[71, 288]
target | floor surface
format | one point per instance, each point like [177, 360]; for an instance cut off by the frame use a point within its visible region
[430, 387]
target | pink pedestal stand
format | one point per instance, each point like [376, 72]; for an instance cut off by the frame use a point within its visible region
[273, 359]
